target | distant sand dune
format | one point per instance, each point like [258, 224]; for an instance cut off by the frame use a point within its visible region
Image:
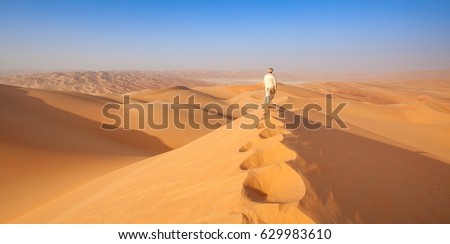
[102, 82]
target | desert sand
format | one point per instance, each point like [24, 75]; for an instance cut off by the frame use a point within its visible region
[391, 165]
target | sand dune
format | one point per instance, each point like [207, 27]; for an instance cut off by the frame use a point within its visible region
[51, 141]
[101, 82]
[392, 165]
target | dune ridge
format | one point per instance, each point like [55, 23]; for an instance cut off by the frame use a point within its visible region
[272, 184]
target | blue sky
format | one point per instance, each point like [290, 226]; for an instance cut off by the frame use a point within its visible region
[314, 35]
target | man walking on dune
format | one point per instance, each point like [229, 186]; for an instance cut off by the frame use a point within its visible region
[270, 85]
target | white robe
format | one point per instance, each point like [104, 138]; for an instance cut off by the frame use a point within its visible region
[269, 82]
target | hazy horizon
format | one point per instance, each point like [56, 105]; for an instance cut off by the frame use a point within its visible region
[292, 36]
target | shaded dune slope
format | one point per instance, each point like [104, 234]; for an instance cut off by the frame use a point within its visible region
[359, 179]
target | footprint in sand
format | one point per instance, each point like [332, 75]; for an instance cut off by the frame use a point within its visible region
[287, 213]
[245, 147]
[266, 133]
[275, 183]
[268, 154]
